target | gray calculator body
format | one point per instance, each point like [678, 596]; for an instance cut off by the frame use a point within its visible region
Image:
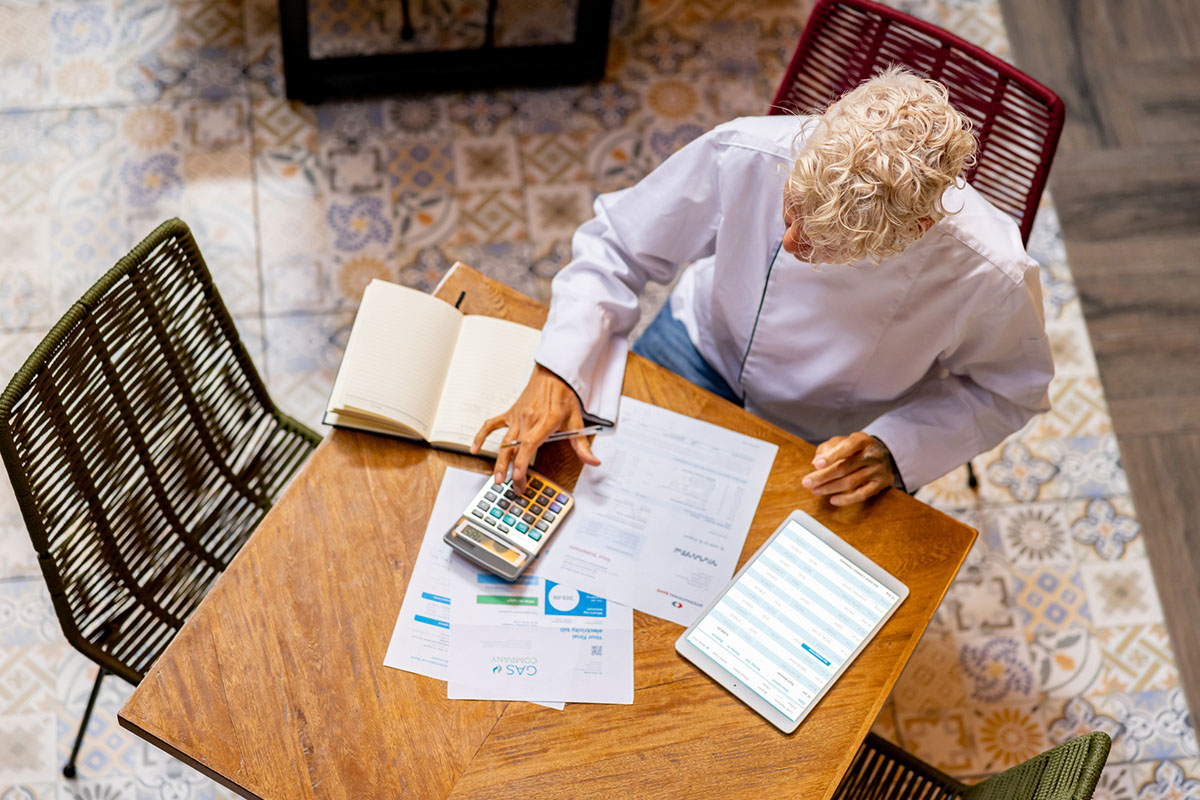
[503, 531]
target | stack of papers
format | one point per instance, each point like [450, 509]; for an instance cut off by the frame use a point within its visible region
[658, 526]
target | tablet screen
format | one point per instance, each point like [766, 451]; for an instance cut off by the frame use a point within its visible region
[792, 620]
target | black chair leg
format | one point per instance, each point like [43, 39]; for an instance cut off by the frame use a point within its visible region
[69, 769]
[972, 481]
[406, 27]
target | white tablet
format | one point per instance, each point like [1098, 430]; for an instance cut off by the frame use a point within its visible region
[792, 620]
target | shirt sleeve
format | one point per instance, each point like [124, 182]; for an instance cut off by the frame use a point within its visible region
[982, 391]
[644, 233]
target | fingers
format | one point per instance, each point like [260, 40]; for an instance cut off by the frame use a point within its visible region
[824, 447]
[503, 458]
[580, 444]
[485, 430]
[847, 483]
[531, 438]
[583, 449]
[526, 452]
[840, 447]
[818, 480]
[867, 490]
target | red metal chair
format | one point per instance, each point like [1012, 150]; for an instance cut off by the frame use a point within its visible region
[1017, 120]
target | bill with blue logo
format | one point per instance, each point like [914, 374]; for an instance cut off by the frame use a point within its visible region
[535, 639]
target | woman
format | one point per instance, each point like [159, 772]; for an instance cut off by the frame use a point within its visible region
[846, 286]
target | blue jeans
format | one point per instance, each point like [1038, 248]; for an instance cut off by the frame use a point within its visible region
[666, 342]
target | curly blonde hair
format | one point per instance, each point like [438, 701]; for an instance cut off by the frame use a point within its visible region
[869, 180]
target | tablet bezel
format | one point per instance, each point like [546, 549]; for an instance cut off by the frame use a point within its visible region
[734, 684]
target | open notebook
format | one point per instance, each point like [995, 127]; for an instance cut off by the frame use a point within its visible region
[417, 367]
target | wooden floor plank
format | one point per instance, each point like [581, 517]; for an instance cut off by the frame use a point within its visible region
[1162, 473]
[1152, 30]
[1146, 415]
[1111, 193]
[1126, 184]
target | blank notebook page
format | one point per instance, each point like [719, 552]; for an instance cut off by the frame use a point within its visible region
[400, 345]
[490, 369]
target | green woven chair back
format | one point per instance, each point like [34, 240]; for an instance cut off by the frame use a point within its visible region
[143, 449]
[1067, 772]
[882, 771]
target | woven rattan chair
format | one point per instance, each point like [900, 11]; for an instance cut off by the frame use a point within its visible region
[882, 771]
[143, 449]
[1016, 120]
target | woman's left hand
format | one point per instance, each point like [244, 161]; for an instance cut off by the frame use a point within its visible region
[849, 469]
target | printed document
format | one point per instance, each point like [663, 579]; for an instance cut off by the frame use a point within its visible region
[538, 639]
[421, 639]
[660, 524]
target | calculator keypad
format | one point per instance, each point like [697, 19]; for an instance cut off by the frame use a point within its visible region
[524, 519]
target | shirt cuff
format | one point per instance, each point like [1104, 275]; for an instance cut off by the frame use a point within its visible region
[597, 382]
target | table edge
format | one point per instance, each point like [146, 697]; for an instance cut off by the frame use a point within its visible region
[208, 772]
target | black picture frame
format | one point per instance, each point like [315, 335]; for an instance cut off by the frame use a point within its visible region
[313, 80]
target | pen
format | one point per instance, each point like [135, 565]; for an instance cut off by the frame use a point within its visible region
[554, 437]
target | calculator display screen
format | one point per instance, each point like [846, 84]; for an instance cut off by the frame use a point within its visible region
[514, 557]
[792, 620]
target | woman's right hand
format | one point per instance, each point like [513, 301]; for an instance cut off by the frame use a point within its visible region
[546, 405]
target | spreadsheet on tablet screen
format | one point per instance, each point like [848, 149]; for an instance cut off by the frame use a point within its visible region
[791, 621]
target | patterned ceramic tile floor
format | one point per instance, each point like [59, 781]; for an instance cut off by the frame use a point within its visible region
[116, 114]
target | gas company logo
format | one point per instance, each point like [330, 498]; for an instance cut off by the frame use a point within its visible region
[677, 604]
[520, 670]
[520, 666]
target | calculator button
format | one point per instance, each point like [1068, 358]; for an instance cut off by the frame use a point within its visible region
[530, 492]
[502, 503]
[479, 513]
[490, 496]
[536, 509]
[535, 535]
[541, 526]
[549, 516]
[522, 527]
[529, 518]
[522, 501]
[483, 505]
[562, 497]
[535, 483]
[509, 519]
[555, 507]
[510, 494]
[548, 491]
[497, 513]
[496, 487]
[503, 528]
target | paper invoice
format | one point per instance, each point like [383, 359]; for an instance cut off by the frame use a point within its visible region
[538, 639]
[660, 524]
[420, 642]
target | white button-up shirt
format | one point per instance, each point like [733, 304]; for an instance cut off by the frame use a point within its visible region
[940, 351]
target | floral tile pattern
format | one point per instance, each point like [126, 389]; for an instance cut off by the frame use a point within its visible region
[117, 114]
[1009, 735]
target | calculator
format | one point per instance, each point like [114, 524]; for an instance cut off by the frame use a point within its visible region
[503, 531]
